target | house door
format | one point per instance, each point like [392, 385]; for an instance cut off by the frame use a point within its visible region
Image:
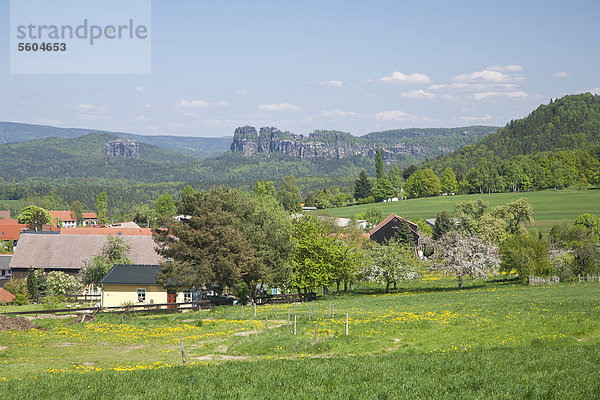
[171, 298]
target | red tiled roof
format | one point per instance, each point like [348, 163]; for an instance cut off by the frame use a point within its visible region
[107, 231]
[10, 229]
[91, 215]
[63, 215]
[6, 296]
[388, 219]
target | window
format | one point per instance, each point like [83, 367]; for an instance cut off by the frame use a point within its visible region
[187, 296]
[141, 295]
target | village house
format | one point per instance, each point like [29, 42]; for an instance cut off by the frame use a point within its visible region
[136, 285]
[67, 219]
[58, 251]
[10, 230]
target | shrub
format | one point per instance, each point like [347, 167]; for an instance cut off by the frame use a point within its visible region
[527, 254]
[19, 299]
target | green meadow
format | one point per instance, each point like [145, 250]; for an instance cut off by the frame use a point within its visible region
[550, 207]
[493, 339]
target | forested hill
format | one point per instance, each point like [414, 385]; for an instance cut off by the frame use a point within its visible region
[454, 138]
[570, 123]
[197, 147]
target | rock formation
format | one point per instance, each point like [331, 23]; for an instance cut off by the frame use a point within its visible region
[122, 147]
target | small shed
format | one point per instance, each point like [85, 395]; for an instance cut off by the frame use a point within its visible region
[136, 284]
[387, 229]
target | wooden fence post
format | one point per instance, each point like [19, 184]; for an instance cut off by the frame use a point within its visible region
[254, 310]
[182, 352]
[294, 325]
[346, 324]
[288, 318]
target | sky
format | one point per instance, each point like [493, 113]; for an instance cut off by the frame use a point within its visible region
[355, 66]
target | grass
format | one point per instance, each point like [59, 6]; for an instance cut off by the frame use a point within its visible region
[494, 339]
[550, 207]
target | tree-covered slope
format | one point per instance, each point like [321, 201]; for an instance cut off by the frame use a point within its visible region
[569, 123]
[453, 138]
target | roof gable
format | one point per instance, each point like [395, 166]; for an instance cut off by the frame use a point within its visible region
[131, 274]
[413, 227]
[6, 296]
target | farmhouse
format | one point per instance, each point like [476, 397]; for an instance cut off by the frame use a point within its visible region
[136, 284]
[54, 251]
[387, 229]
[69, 220]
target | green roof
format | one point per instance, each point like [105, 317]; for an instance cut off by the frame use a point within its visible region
[131, 274]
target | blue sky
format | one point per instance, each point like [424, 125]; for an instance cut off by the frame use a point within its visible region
[357, 66]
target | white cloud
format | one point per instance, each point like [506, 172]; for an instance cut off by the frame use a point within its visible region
[193, 104]
[242, 91]
[594, 91]
[418, 94]
[90, 108]
[506, 68]
[92, 117]
[410, 79]
[438, 86]
[143, 118]
[221, 103]
[483, 76]
[474, 118]
[513, 95]
[561, 74]
[278, 107]
[393, 115]
[338, 113]
[148, 106]
[139, 89]
[331, 84]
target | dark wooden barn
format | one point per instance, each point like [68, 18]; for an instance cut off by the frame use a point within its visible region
[388, 228]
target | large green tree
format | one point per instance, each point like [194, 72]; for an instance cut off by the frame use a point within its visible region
[164, 205]
[230, 237]
[289, 194]
[34, 217]
[362, 186]
[102, 207]
[448, 182]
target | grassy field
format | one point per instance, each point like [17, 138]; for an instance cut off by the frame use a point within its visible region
[496, 339]
[550, 207]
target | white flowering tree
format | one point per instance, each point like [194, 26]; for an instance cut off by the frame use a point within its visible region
[459, 255]
[60, 283]
[391, 263]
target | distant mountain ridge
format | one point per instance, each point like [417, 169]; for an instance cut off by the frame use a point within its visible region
[197, 147]
[397, 144]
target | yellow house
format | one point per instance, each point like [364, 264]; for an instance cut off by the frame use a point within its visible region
[135, 284]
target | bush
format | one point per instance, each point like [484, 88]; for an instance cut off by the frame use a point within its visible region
[51, 302]
[19, 299]
[17, 286]
[242, 292]
[527, 254]
[366, 200]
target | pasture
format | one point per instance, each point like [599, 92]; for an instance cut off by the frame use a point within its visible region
[494, 339]
[550, 207]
